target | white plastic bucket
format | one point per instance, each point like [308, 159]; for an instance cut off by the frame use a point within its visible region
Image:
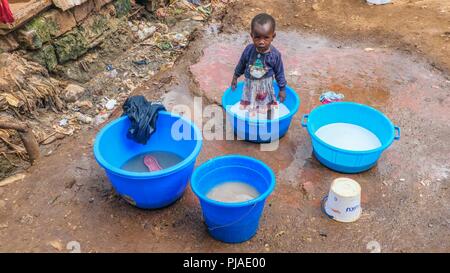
[343, 202]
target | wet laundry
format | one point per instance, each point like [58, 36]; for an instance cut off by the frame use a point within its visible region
[330, 96]
[151, 161]
[143, 115]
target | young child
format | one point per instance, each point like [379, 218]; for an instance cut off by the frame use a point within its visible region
[260, 63]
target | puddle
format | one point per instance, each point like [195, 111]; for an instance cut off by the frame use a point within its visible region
[410, 92]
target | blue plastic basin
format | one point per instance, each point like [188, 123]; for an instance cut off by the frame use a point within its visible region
[346, 161]
[148, 190]
[232, 222]
[262, 130]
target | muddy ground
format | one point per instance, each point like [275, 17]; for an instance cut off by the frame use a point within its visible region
[393, 57]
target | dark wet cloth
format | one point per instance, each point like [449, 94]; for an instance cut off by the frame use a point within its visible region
[271, 61]
[143, 115]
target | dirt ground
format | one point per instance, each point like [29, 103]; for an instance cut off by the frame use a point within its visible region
[394, 57]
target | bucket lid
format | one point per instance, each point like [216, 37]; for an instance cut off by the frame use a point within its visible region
[346, 187]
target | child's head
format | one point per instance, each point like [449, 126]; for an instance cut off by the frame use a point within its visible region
[263, 31]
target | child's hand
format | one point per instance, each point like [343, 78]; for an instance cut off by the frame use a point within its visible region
[233, 83]
[282, 95]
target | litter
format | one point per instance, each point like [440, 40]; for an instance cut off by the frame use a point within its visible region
[111, 104]
[12, 179]
[330, 96]
[343, 202]
[63, 122]
[141, 62]
[195, 2]
[143, 115]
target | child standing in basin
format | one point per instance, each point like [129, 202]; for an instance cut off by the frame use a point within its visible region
[260, 63]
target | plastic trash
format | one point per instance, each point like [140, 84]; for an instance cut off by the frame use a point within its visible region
[110, 104]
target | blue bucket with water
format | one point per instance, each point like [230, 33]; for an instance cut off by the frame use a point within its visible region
[259, 131]
[232, 222]
[347, 161]
[149, 190]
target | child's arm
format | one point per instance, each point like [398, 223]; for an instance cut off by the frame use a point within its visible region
[240, 68]
[280, 78]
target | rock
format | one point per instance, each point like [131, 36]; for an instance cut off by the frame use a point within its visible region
[27, 219]
[83, 118]
[146, 32]
[42, 29]
[59, 22]
[316, 7]
[82, 11]
[8, 43]
[100, 3]
[2, 205]
[67, 4]
[1, 191]
[70, 46]
[95, 27]
[73, 92]
[84, 105]
[46, 56]
[308, 189]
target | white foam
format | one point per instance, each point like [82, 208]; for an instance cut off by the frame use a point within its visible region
[233, 192]
[277, 112]
[348, 137]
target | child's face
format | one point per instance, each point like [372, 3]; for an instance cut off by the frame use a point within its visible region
[263, 36]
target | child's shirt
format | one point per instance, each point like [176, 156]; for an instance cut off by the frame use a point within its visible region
[269, 62]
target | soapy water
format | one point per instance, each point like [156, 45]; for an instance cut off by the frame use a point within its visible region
[348, 137]
[277, 112]
[159, 160]
[233, 192]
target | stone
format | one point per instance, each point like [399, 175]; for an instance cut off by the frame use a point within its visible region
[123, 7]
[35, 33]
[84, 105]
[82, 11]
[42, 29]
[70, 46]
[46, 56]
[68, 4]
[73, 92]
[8, 43]
[62, 22]
[100, 3]
[83, 118]
[94, 27]
[23, 12]
[308, 189]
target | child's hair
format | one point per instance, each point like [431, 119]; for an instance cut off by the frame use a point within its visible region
[262, 19]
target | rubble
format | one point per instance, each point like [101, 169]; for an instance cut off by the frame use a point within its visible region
[73, 92]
